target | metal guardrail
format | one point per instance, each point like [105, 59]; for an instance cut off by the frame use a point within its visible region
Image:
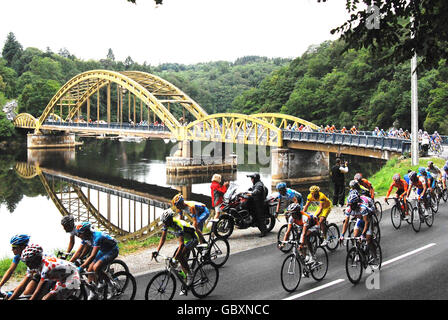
[113, 125]
[364, 141]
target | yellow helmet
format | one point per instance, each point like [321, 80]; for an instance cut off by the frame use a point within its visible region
[177, 199]
[314, 189]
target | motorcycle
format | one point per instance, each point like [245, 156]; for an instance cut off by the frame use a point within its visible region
[237, 210]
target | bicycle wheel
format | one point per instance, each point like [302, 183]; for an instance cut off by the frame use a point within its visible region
[376, 231]
[375, 257]
[117, 265]
[205, 279]
[79, 294]
[379, 210]
[350, 243]
[409, 212]
[219, 252]
[291, 273]
[281, 235]
[224, 227]
[429, 219]
[121, 287]
[320, 267]
[444, 195]
[353, 265]
[333, 235]
[395, 216]
[161, 287]
[434, 204]
[415, 218]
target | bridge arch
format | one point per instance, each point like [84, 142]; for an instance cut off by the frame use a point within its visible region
[284, 119]
[234, 128]
[146, 87]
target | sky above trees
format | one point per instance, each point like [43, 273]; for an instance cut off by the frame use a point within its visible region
[178, 31]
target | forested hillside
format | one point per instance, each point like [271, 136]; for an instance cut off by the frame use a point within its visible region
[327, 87]
[32, 77]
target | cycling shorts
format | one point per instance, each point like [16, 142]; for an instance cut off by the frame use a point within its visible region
[201, 219]
[324, 213]
[360, 225]
[106, 256]
[190, 244]
[400, 192]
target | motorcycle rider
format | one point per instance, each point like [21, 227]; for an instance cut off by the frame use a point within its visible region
[258, 193]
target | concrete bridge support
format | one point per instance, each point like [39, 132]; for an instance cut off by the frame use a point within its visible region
[43, 141]
[299, 166]
[192, 157]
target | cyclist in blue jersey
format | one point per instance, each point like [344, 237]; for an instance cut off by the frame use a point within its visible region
[196, 210]
[444, 174]
[188, 239]
[18, 244]
[68, 223]
[286, 196]
[104, 251]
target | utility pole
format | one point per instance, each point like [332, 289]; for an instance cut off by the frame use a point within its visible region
[414, 111]
[414, 106]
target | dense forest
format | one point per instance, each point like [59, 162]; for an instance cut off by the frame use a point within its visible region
[326, 85]
[32, 77]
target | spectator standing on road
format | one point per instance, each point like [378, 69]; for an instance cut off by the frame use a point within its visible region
[337, 176]
[218, 192]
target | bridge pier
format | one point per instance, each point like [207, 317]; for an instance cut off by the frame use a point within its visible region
[296, 167]
[43, 141]
[192, 158]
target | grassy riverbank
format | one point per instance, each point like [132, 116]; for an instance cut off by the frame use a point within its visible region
[383, 178]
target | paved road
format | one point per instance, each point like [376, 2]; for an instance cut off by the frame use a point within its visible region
[414, 267]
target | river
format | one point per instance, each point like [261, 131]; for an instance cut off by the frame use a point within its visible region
[115, 166]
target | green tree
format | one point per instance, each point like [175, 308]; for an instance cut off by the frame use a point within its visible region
[36, 95]
[12, 50]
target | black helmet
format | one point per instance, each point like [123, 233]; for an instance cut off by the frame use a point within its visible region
[255, 175]
[68, 222]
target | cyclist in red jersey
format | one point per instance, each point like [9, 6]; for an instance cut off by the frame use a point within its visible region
[402, 189]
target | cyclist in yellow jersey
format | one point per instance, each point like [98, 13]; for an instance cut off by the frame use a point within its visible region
[322, 212]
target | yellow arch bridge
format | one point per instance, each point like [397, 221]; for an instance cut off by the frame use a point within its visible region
[138, 104]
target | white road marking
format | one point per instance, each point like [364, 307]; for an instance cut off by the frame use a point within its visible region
[314, 290]
[407, 254]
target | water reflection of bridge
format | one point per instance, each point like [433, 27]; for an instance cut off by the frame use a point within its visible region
[126, 209]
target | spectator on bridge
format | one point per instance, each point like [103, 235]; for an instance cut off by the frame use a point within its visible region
[376, 132]
[332, 129]
[327, 129]
[337, 176]
[353, 130]
[344, 130]
[301, 127]
[218, 192]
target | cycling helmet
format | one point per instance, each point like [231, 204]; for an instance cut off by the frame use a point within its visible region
[354, 185]
[68, 222]
[32, 254]
[430, 163]
[412, 175]
[445, 167]
[353, 198]
[281, 185]
[396, 177]
[20, 240]
[358, 176]
[294, 208]
[177, 199]
[84, 227]
[314, 189]
[167, 216]
[422, 170]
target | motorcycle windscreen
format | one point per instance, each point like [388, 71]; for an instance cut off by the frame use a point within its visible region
[232, 190]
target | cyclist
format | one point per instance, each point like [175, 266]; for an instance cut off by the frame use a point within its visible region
[308, 225]
[433, 170]
[445, 174]
[18, 244]
[188, 239]
[68, 223]
[421, 183]
[402, 189]
[50, 268]
[196, 210]
[288, 196]
[361, 209]
[322, 211]
[104, 251]
[365, 185]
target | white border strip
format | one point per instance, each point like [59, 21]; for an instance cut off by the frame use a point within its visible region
[314, 290]
[407, 254]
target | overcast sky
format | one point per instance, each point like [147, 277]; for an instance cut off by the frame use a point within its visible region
[182, 31]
